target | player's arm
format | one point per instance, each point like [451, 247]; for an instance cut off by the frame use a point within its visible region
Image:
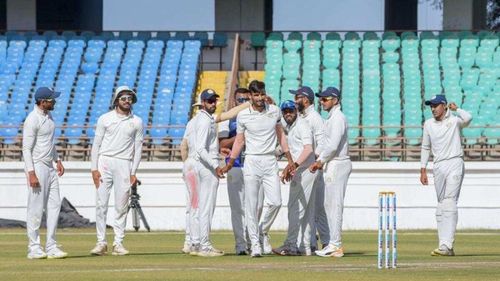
[425, 153]
[239, 142]
[232, 112]
[319, 136]
[464, 117]
[280, 133]
[184, 149]
[29, 137]
[94, 153]
[201, 132]
[139, 138]
[306, 135]
[331, 147]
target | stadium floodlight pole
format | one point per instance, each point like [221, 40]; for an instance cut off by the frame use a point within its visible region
[137, 213]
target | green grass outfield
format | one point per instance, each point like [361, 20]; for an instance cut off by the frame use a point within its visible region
[156, 256]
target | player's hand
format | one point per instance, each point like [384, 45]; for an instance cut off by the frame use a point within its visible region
[33, 179]
[133, 180]
[423, 177]
[285, 175]
[453, 106]
[316, 166]
[96, 177]
[60, 168]
[219, 172]
[226, 152]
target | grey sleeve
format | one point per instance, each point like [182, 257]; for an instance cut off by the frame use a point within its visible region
[139, 137]
[96, 144]
[425, 152]
[29, 138]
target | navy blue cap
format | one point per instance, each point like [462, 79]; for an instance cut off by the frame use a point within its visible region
[44, 93]
[208, 94]
[288, 104]
[329, 92]
[437, 99]
[304, 91]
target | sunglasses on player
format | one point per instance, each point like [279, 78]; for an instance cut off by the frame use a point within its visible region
[325, 99]
[242, 100]
[126, 98]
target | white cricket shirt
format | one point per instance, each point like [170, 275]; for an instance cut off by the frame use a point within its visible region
[38, 139]
[189, 136]
[259, 129]
[300, 134]
[317, 125]
[443, 137]
[118, 136]
[335, 146]
[206, 144]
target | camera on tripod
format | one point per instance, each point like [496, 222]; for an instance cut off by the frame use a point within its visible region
[137, 213]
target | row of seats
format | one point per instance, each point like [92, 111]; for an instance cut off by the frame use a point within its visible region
[219, 38]
[385, 79]
[86, 72]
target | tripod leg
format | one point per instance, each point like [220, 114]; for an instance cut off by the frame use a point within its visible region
[142, 216]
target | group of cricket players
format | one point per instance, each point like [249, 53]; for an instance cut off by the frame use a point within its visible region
[243, 145]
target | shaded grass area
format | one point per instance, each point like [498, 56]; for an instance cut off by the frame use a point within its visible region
[156, 256]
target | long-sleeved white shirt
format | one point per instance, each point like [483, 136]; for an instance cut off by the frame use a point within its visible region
[299, 135]
[206, 144]
[259, 129]
[317, 125]
[118, 136]
[443, 137]
[335, 146]
[189, 136]
[38, 139]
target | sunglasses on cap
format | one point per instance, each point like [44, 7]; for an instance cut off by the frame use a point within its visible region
[126, 98]
[242, 100]
[49, 100]
[325, 99]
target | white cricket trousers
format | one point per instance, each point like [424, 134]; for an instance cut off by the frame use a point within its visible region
[336, 174]
[236, 194]
[320, 221]
[261, 173]
[190, 177]
[46, 197]
[115, 173]
[208, 184]
[448, 177]
[301, 208]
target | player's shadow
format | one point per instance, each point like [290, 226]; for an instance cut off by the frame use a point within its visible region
[134, 254]
[358, 254]
[478, 255]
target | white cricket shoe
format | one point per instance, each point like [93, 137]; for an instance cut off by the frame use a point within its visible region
[36, 254]
[194, 250]
[56, 253]
[210, 252]
[443, 251]
[100, 249]
[187, 248]
[331, 251]
[119, 250]
[266, 245]
[256, 251]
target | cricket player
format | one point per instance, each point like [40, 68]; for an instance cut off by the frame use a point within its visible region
[207, 169]
[259, 128]
[115, 157]
[304, 100]
[235, 184]
[300, 209]
[40, 154]
[336, 164]
[190, 176]
[442, 136]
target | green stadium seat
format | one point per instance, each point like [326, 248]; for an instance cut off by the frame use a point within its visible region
[295, 36]
[314, 36]
[258, 39]
[333, 36]
[275, 36]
